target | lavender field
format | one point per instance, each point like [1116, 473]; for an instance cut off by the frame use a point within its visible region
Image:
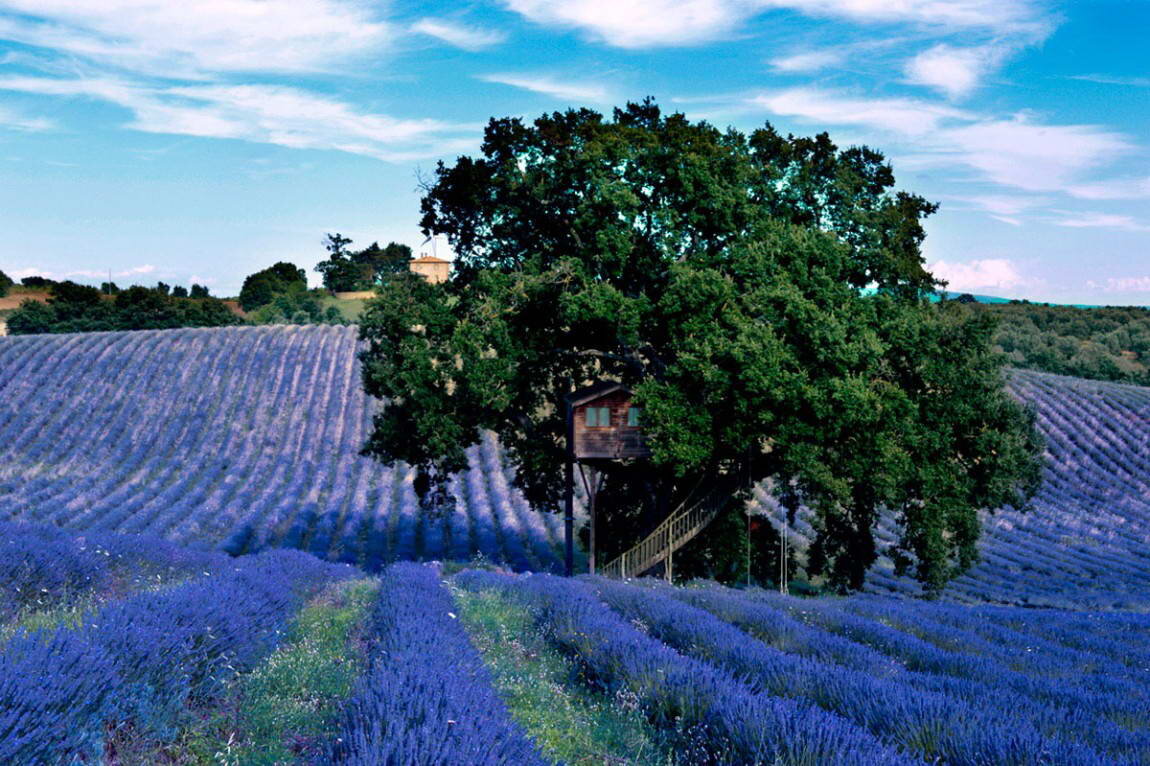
[245, 439]
[132, 464]
[109, 664]
[1085, 543]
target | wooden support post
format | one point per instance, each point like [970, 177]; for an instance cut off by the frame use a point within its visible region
[668, 569]
[591, 507]
[569, 517]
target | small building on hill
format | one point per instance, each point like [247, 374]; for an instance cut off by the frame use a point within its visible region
[604, 424]
[434, 270]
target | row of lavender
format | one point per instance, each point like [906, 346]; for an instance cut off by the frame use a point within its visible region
[755, 677]
[1085, 543]
[133, 634]
[240, 438]
[722, 676]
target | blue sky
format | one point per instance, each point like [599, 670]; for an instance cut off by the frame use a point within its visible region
[203, 140]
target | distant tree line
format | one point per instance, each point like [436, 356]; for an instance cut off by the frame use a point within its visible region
[276, 295]
[1103, 343]
[80, 308]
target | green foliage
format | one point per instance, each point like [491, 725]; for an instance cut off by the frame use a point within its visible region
[79, 308]
[31, 317]
[349, 271]
[260, 288]
[722, 277]
[1102, 343]
[37, 282]
[5, 284]
[723, 550]
[296, 305]
[568, 722]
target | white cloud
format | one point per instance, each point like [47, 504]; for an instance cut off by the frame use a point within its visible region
[1020, 17]
[262, 113]
[1029, 155]
[1133, 82]
[808, 61]
[165, 37]
[1094, 220]
[1018, 152]
[549, 86]
[986, 274]
[146, 268]
[651, 23]
[1118, 188]
[953, 71]
[134, 271]
[1003, 204]
[1127, 285]
[640, 23]
[466, 37]
[1004, 207]
[15, 121]
[896, 115]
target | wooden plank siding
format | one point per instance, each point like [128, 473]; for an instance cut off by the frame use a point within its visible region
[617, 441]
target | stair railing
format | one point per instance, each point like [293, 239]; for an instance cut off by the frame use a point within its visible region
[672, 534]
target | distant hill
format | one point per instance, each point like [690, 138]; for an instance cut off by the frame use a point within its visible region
[1099, 343]
[951, 296]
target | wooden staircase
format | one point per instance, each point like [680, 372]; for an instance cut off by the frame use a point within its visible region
[672, 534]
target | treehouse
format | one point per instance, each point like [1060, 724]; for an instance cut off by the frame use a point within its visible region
[604, 424]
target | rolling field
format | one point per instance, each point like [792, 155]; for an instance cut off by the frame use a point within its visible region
[1086, 541]
[247, 438]
[157, 647]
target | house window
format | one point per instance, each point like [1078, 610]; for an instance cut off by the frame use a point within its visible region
[598, 417]
[633, 416]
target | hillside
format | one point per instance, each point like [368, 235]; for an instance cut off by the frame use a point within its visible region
[132, 649]
[247, 439]
[243, 438]
[1099, 342]
[1085, 542]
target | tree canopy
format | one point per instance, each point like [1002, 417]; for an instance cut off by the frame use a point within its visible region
[80, 308]
[261, 287]
[352, 270]
[763, 295]
[5, 284]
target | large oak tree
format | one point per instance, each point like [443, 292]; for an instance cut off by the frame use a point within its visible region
[764, 295]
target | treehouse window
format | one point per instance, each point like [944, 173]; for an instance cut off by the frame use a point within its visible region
[598, 417]
[633, 416]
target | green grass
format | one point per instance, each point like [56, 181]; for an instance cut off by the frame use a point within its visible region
[349, 309]
[70, 610]
[286, 708]
[68, 615]
[540, 686]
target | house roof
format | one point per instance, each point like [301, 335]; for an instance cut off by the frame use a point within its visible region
[594, 391]
[428, 259]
